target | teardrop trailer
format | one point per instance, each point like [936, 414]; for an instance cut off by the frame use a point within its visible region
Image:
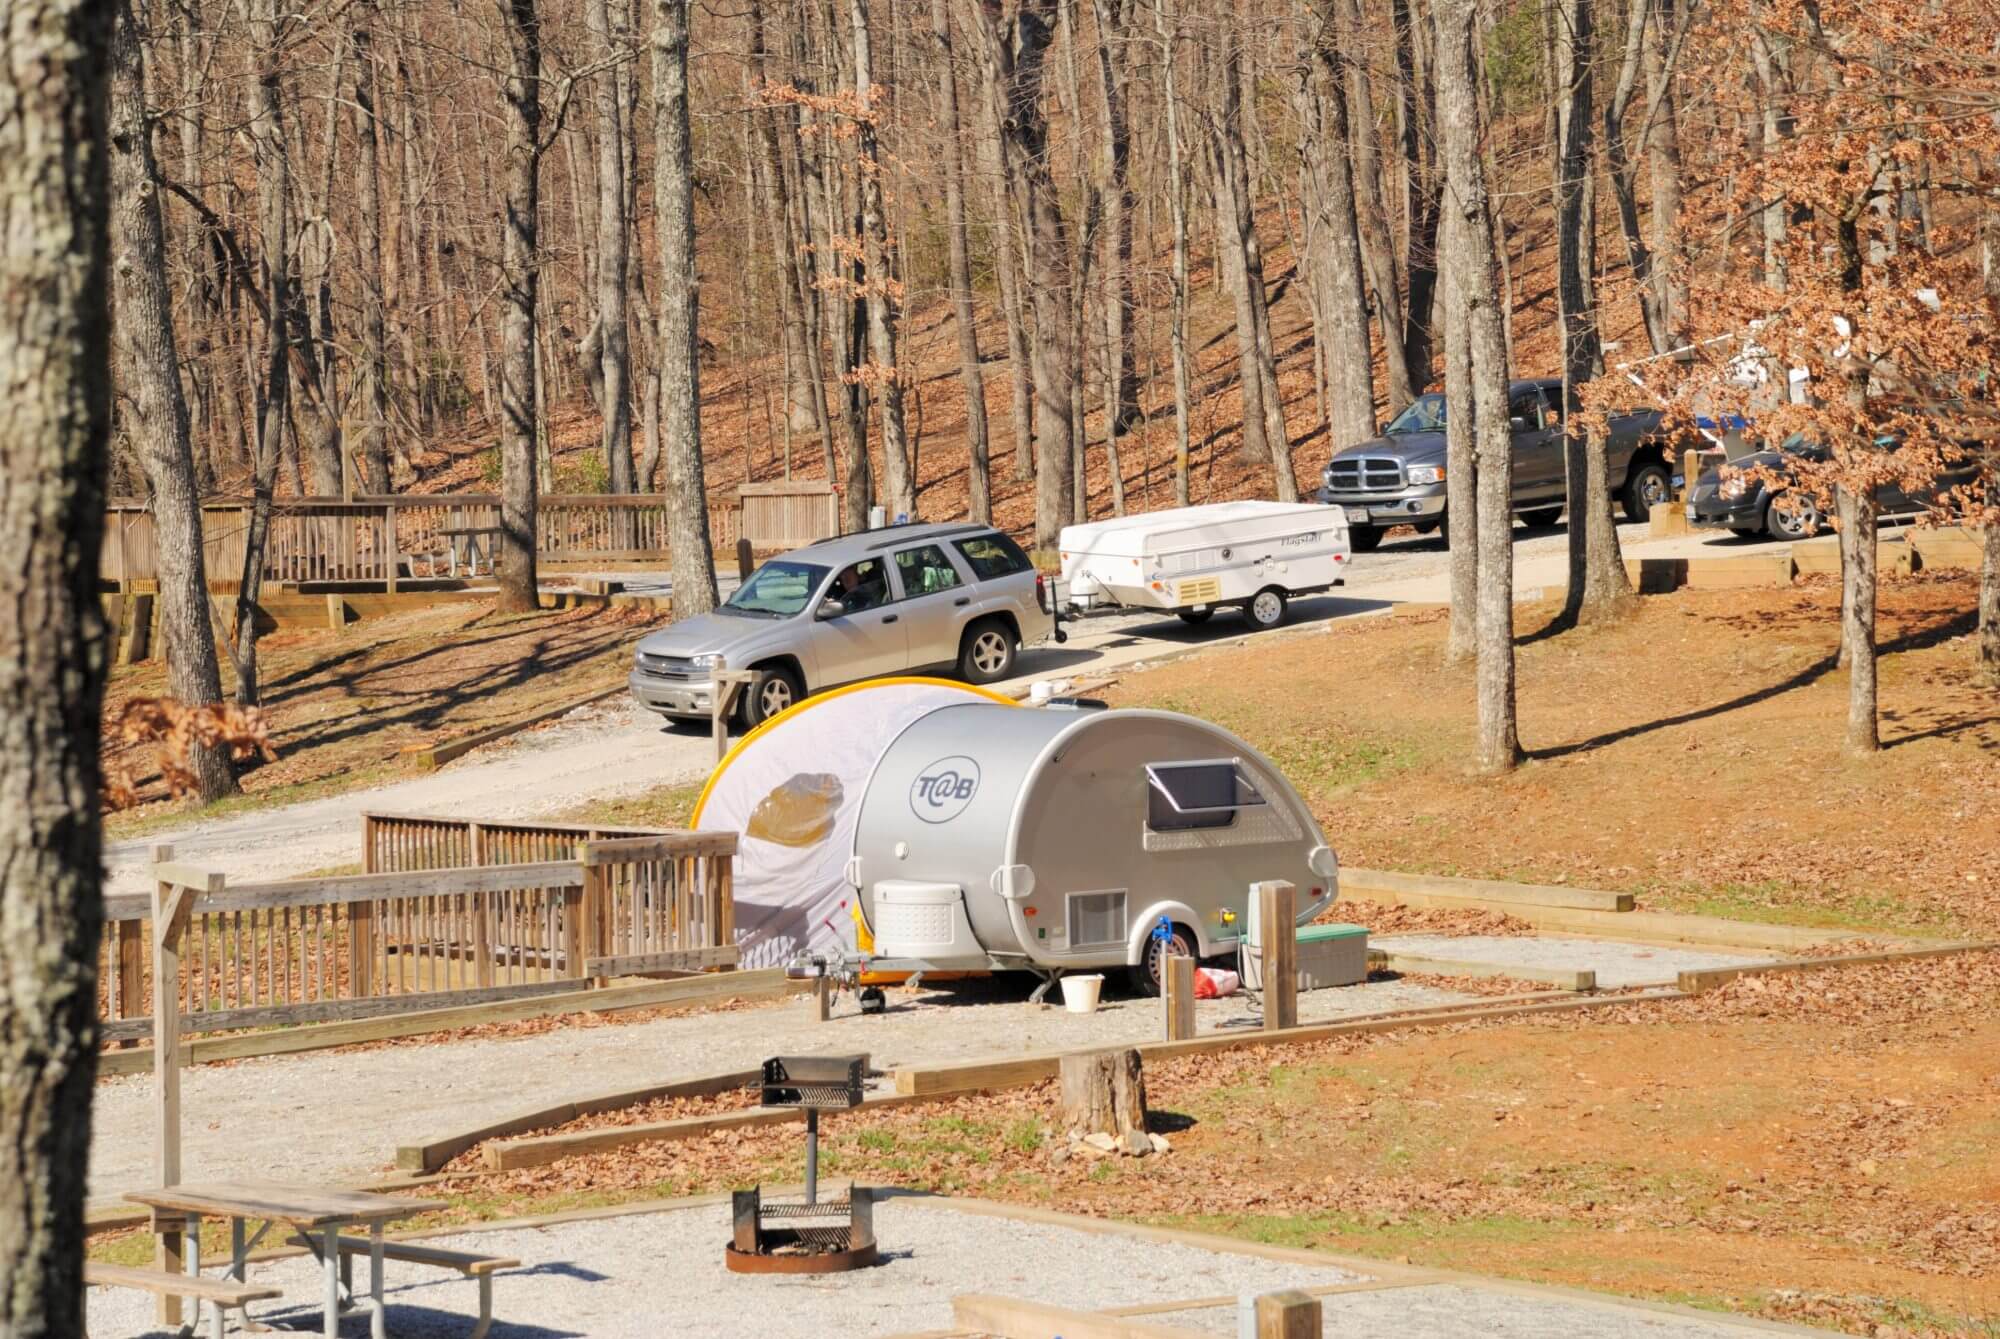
[1072, 838]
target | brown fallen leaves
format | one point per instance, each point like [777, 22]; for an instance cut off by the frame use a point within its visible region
[178, 729]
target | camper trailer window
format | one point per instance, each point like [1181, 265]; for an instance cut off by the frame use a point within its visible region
[993, 556]
[925, 571]
[1185, 795]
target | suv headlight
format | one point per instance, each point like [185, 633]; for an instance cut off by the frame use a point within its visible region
[1735, 486]
[1427, 474]
[712, 660]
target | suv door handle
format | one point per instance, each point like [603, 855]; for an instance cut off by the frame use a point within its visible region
[961, 601]
[891, 618]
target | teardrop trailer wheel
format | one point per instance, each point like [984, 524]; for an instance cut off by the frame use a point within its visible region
[1266, 608]
[1151, 970]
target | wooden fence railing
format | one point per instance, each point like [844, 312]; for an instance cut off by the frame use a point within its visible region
[435, 935]
[389, 538]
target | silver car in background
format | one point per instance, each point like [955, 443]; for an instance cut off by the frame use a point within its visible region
[913, 597]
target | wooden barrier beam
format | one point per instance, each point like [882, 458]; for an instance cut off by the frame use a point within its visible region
[1019, 1318]
[683, 960]
[660, 846]
[1712, 978]
[513, 1154]
[428, 1157]
[1363, 883]
[1557, 977]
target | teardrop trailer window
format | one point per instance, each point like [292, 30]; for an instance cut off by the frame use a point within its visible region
[1209, 794]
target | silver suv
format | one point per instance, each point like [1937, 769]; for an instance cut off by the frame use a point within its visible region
[854, 607]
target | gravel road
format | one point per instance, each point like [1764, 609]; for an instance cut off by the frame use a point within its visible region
[245, 1119]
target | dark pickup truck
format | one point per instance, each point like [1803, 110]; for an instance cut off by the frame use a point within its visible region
[1398, 479]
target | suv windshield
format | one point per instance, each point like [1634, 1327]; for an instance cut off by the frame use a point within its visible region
[777, 590]
[1424, 414]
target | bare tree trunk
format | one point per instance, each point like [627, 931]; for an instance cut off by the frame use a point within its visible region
[1167, 26]
[614, 255]
[879, 254]
[1333, 236]
[520, 409]
[1770, 94]
[154, 408]
[1422, 189]
[1378, 245]
[1013, 304]
[1857, 628]
[691, 556]
[1989, 604]
[1598, 588]
[1461, 524]
[1472, 265]
[979, 474]
[267, 139]
[54, 437]
[1114, 28]
[373, 393]
[1663, 166]
[805, 387]
[1013, 48]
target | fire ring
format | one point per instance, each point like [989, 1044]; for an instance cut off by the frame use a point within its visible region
[822, 1262]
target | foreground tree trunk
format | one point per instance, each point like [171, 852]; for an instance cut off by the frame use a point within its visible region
[55, 410]
[1989, 605]
[155, 409]
[1471, 262]
[1461, 472]
[1598, 588]
[691, 559]
[1857, 623]
[979, 473]
[519, 289]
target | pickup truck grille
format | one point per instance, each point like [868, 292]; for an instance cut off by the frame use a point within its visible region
[1366, 474]
[667, 667]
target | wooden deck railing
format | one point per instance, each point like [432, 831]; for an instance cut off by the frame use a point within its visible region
[389, 538]
[435, 933]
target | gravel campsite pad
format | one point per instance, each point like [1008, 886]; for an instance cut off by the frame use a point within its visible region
[647, 1275]
[1617, 964]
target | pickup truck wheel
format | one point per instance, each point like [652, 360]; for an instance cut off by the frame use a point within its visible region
[1192, 617]
[987, 653]
[1541, 518]
[1364, 538]
[1266, 609]
[1646, 486]
[772, 691]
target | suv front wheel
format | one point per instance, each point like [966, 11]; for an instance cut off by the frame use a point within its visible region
[772, 691]
[987, 653]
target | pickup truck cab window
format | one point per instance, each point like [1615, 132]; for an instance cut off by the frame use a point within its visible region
[1426, 413]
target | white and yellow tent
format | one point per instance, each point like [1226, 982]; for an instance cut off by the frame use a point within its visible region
[792, 787]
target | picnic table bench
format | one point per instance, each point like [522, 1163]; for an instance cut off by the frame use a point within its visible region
[310, 1211]
[469, 543]
[468, 1263]
[221, 1294]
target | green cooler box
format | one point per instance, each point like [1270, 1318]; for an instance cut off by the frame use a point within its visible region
[1329, 955]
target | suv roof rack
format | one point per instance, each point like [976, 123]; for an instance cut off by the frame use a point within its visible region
[930, 532]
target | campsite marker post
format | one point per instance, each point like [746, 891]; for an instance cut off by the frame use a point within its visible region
[1277, 913]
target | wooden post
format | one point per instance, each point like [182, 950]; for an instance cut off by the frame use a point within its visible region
[1288, 1315]
[1277, 928]
[822, 997]
[1690, 467]
[1178, 996]
[171, 905]
[728, 684]
[389, 553]
[745, 561]
[124, 572]
[336, 612]
[131, 970]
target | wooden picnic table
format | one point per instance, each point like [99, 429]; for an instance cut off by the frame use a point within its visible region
[468, 540]
[315, 1213]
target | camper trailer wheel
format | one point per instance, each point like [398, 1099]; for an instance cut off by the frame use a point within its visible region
[1266, 608]
[1193, 616]
[873, 1001]
[1152, 969]
[987, 655]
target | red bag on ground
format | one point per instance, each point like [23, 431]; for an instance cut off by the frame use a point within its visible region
[1212, 983]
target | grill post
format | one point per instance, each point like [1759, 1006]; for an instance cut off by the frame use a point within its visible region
[812, 1237]
[812, 1155]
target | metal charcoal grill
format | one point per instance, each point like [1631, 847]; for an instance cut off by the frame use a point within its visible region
[813, 1237]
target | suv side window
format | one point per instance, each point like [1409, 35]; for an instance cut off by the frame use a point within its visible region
[865, 585]
[925, 571]
[1529, 407]
[992, 556]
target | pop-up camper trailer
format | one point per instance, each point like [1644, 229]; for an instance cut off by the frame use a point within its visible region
[972, 833]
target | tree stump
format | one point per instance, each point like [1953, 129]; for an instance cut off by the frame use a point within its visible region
[1103, 1092]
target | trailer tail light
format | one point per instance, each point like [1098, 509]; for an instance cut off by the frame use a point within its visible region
[1027, 911]
[1041, 591]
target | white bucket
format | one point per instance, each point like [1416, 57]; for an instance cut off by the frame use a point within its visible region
[1080, 993]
